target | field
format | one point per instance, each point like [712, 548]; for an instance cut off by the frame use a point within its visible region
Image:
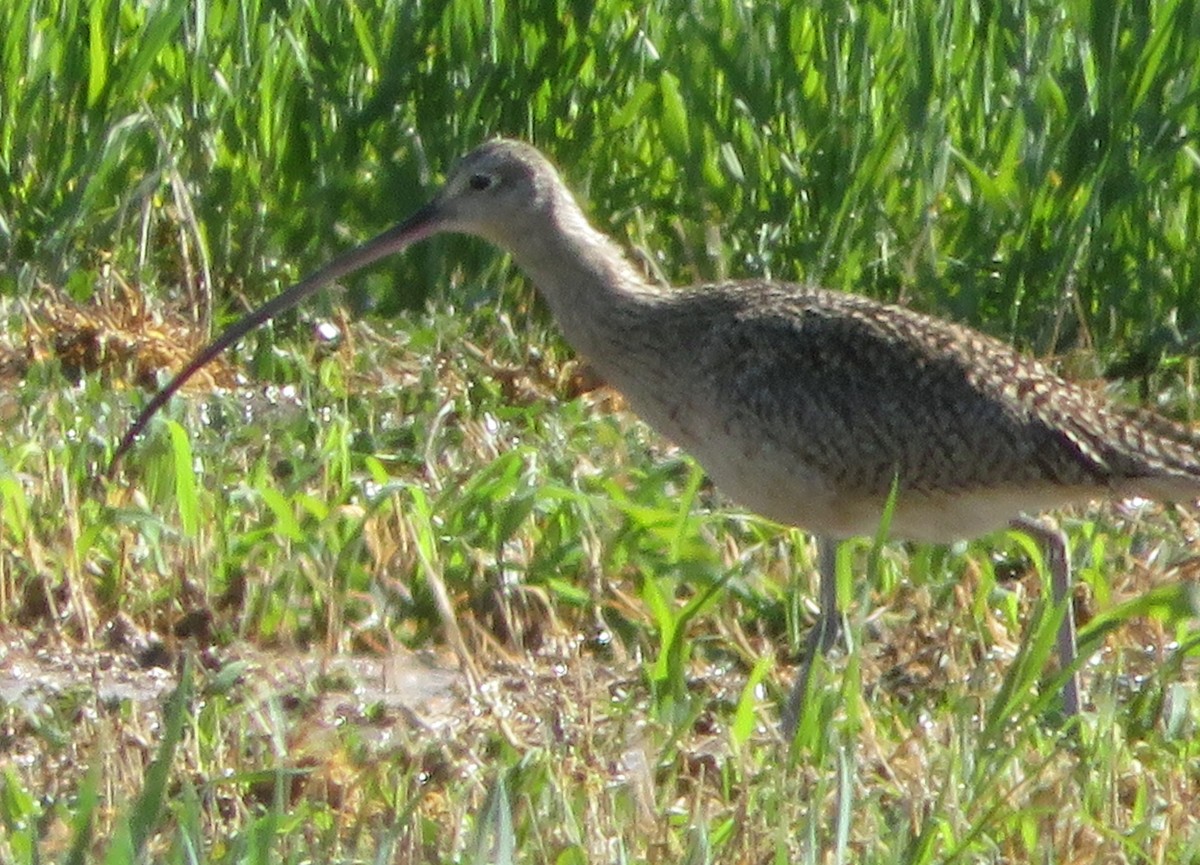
[399, 580]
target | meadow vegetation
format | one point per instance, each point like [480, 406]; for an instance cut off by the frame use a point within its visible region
[398, 582]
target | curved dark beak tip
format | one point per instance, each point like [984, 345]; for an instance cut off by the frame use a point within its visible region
[425, 221]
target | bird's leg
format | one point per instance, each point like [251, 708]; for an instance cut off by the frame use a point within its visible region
[1054, 550]
[829, 625]
[821, 638]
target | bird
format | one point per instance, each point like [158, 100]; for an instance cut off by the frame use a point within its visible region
[813, 408]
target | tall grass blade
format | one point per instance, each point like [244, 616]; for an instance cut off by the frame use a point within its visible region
[495, 838]
[143, 820]
[186, 497]
[84, 818]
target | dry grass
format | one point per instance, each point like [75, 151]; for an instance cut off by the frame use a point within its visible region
[117, 338]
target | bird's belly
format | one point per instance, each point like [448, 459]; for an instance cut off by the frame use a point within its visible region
[781, 486]
[778, 482]
[799, 495]
[771, 481]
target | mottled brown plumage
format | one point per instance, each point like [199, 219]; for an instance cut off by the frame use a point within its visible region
[808, 395]
[802, 404]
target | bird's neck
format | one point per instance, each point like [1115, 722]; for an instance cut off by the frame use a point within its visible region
[592, 289]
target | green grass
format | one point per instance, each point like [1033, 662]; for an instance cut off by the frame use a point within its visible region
[433, 483]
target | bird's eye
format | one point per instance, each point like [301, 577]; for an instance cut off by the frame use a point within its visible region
[480, 182]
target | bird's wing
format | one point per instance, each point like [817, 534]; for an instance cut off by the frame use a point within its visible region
[864, 391]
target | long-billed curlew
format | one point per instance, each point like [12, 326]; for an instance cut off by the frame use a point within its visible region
[804, 405]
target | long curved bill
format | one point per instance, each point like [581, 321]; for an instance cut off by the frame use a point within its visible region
[420, 225]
